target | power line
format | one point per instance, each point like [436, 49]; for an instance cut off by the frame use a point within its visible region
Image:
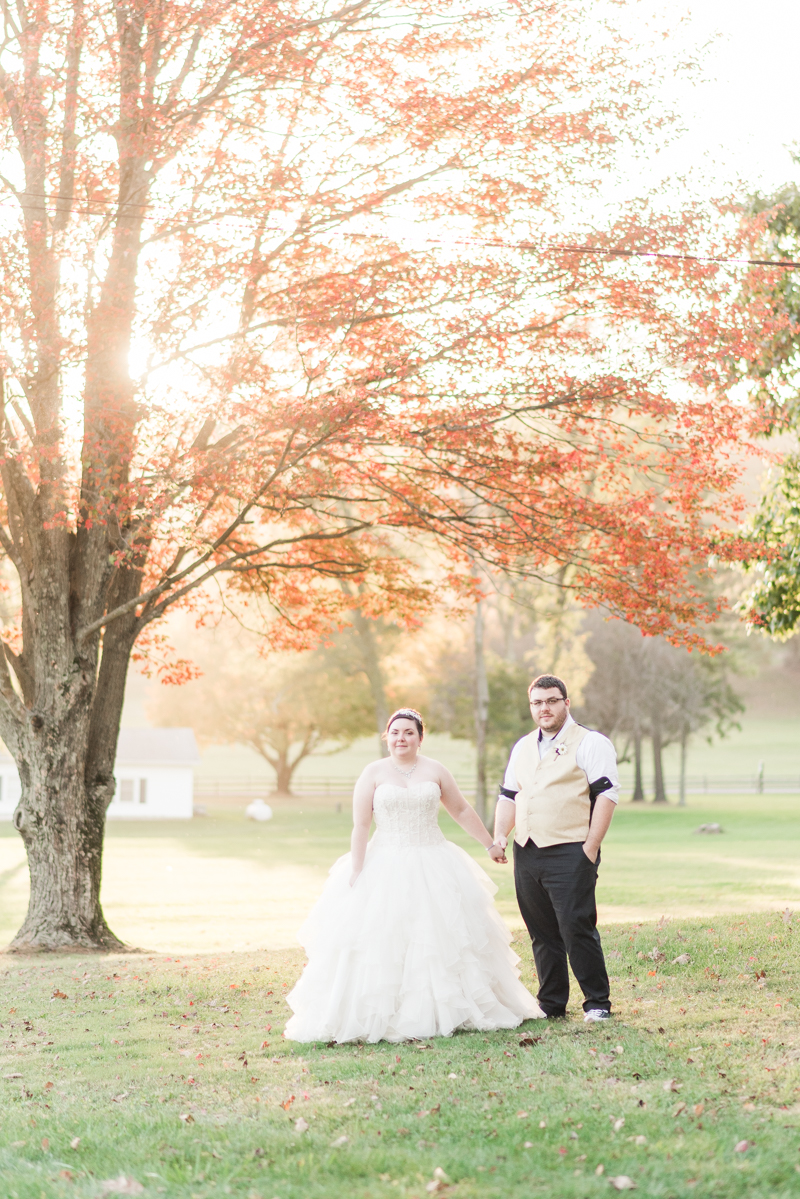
[499, 243]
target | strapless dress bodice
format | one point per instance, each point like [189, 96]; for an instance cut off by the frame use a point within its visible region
[407, 816]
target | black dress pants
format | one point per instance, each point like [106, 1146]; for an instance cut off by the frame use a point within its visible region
[555, 892]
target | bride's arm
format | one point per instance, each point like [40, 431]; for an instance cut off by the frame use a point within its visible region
[466, 816]
[362, 819]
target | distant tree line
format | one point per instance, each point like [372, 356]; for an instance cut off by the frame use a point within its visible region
[644, 689]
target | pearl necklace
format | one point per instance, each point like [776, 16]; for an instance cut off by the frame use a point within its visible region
[406, 773]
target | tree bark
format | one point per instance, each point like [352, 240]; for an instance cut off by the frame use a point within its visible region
[481, 709]
[660, 795]
[61, 819]
[365, 631]
[684, 746]
[638, 786]
[283, 776]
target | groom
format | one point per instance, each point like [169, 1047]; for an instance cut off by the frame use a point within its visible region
[559, 791]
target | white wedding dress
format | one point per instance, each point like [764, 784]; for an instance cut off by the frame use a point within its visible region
[416, 947]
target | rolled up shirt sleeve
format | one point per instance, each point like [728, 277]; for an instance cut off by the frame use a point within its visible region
[597, 758]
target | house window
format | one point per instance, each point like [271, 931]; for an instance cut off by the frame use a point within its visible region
[142, 790]
[126, 791]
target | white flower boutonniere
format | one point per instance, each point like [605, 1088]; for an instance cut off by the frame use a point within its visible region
[560, 749]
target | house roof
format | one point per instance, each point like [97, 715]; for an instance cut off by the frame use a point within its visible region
[157, 747]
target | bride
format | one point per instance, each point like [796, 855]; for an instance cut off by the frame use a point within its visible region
[405, 940]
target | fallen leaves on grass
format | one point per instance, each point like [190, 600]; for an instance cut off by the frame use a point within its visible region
[187, 1117]
[301, 1125]
[124, 1185]
[679, 1107]
[337, 1144]
[621, 1182]
[526, 1040]
[683, 959]
[75, 1143]
[287, 1103]
[45, 1145]
[439, 1182]
[743, 1146]
[672, 1085]
[59, 995]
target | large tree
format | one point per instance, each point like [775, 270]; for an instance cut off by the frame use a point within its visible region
[285, 286]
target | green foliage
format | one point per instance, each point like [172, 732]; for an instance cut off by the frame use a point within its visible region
[777, 361]
[452, 704]
[774, 601]
[173, 1072]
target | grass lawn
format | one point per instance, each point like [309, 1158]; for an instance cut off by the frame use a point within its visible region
[221, 882]
[168, 1066]
[173, 1073]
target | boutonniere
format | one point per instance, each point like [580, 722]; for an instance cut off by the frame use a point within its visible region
[560, 749]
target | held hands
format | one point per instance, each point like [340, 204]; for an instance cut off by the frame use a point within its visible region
[497, 852]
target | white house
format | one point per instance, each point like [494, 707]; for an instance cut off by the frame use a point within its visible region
[154, 773]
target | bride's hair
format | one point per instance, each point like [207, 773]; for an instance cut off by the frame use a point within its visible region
[407, 714]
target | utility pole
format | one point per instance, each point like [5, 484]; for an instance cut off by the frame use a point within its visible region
[481, 708]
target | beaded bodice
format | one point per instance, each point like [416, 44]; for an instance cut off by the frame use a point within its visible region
[406, 816]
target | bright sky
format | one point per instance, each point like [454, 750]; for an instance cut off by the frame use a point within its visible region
[744, 115]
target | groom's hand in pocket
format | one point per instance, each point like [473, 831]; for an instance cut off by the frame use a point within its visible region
[591, 851]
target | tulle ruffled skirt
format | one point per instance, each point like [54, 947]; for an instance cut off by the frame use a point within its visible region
[415, 949]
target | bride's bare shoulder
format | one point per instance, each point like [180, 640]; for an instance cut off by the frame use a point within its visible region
[436, 768]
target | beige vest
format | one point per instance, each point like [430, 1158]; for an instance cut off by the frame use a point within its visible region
[553, 805]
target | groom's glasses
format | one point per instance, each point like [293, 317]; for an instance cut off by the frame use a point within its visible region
[546, 703]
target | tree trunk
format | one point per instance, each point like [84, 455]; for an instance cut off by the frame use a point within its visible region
[61, 819]
[658, 764]
[284, 769]
[365, 630]
[638, 786]
[481, 709]
[684, 746]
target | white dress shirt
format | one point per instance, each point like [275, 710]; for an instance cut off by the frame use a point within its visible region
[595, 756]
